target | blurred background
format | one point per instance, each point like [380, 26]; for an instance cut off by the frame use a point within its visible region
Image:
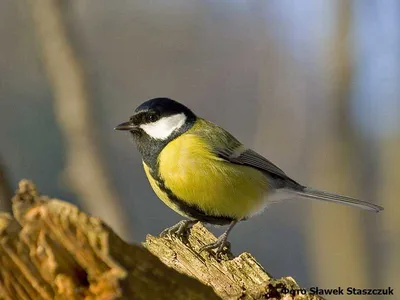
[311, 85]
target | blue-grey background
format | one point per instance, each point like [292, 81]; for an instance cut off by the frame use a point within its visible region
[290, 79]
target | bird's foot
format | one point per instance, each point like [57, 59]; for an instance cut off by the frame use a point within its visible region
[221, 245]
[179, 230]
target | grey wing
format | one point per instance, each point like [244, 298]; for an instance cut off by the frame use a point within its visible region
[233, 151]
[230, 149]
[251, 158]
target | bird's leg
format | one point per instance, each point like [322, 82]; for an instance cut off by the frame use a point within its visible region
[180, 229]
[221, 242]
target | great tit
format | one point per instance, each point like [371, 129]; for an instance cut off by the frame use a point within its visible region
[205, 174]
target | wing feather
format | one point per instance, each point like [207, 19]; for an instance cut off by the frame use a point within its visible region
[253, 159]
[228, 148]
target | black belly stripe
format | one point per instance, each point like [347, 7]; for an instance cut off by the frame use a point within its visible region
[190, 210]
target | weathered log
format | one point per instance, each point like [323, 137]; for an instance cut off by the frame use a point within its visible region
[51, 250]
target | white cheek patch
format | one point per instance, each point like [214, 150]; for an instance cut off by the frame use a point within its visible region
[164, 127]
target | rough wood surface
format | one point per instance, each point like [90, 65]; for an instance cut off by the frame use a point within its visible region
[51, 250]
[231, 277]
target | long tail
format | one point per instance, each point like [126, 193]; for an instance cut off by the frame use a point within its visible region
[325, 196]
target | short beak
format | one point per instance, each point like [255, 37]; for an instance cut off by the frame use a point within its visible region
[125, 126]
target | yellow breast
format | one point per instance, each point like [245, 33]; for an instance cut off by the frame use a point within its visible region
[198, 177]
[160, 193]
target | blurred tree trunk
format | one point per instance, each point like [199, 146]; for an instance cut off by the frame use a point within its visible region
[5, 190]
[278, 127]
[84, 167]
[331, 168]
[389, 192]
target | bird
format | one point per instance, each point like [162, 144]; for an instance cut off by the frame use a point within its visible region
[205, 174]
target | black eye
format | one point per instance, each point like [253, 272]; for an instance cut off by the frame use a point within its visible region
[153, 117]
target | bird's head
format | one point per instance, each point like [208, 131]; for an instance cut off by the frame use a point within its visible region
[159, 119]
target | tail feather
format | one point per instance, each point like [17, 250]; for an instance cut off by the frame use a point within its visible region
[325, 196]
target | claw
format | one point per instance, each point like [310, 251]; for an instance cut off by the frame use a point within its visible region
[180, 229]
[219, 245]
[221, 242]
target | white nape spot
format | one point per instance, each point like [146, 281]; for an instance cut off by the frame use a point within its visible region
[164, 127]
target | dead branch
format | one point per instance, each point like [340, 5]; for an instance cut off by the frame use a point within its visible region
[231, 277]
[51, 250]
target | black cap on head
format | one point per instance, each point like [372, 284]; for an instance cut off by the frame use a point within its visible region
[164, 106]
[155, 109]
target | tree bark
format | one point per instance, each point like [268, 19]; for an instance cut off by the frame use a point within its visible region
[51, 250]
